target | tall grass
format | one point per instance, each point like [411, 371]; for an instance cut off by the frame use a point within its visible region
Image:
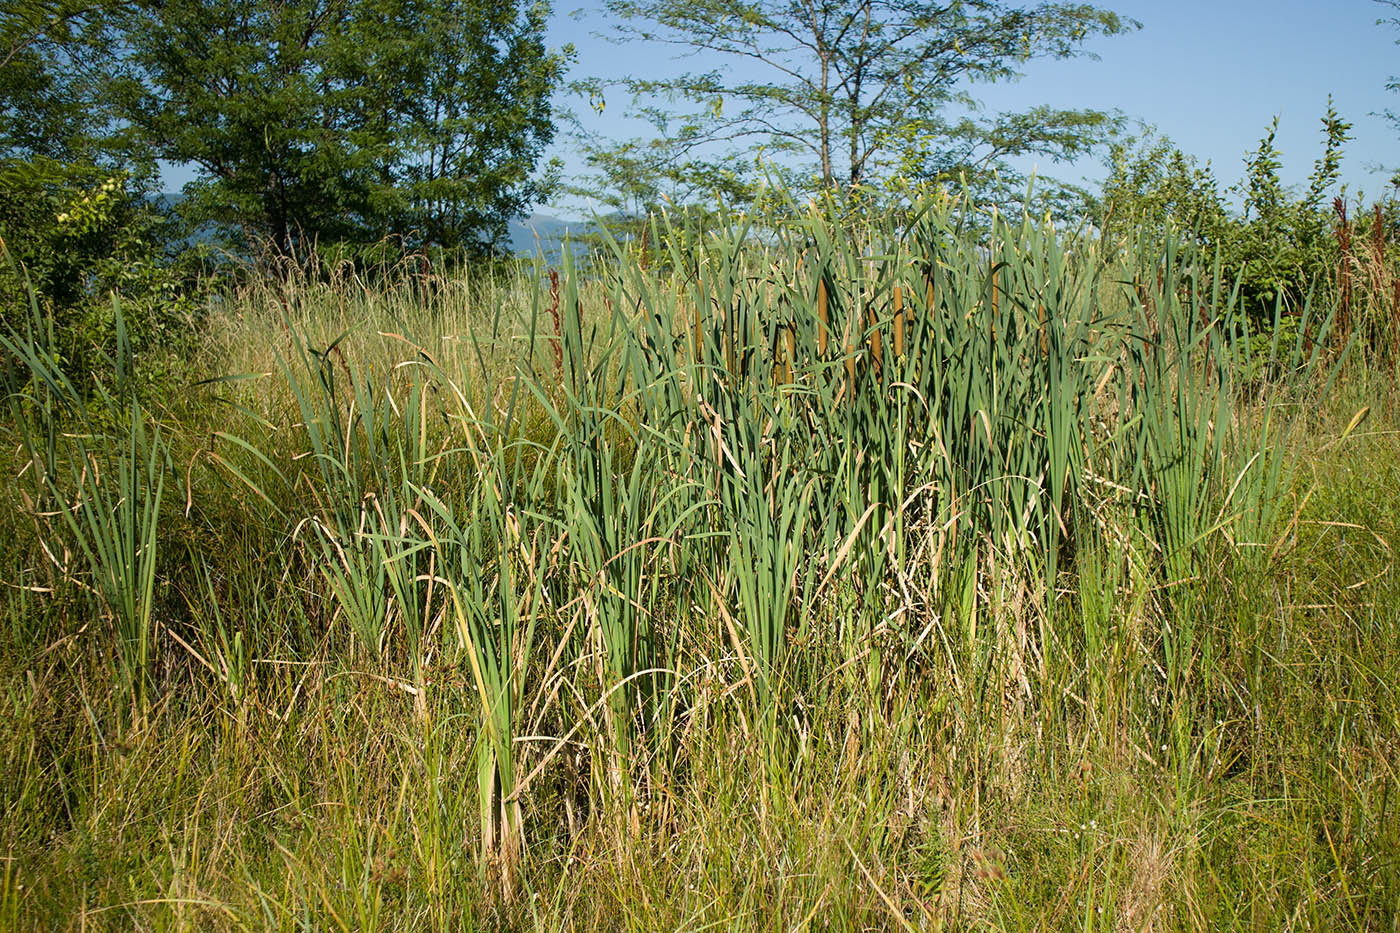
[742, 414]
[855, 524]
[97, 470]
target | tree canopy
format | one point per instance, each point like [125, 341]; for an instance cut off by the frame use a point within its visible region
[861, 88]
[55, 59]
[346, 120]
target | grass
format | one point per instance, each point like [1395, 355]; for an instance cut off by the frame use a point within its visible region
[923, 575]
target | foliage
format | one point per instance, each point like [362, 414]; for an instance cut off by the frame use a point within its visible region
[99, 471]
[973, 153]
[75, 236]
[1154, 187]
[883, 576]
[1393, 84]
[55, 56]
[632, 179]
[78, 222]
[322, 122]
[846, 93]
[1278, 245]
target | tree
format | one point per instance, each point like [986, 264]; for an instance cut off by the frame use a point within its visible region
[627, 182]
[630, 179]
[1393, 84]
[1156, 189]
[1278, 246]
[54, 59]
[77, 223]
[347, 120]
[851, 85]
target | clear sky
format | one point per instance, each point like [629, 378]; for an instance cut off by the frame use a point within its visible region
[1210, 75]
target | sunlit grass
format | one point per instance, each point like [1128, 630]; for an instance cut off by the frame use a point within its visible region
[921, 574]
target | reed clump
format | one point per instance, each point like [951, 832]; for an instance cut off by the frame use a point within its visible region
[800, 571]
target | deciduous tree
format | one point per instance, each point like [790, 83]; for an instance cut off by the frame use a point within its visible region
[55, 59]
[347, 120]
[852, 86]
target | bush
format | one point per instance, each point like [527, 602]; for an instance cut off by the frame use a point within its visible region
[1278, 247]
[76, 237]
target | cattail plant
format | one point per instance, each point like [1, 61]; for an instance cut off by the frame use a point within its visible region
[783, 457]
[488, 567]
[102, 480]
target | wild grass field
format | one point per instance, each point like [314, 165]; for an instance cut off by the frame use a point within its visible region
[936, 572]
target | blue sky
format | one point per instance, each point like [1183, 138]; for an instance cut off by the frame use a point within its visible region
[1210, 75]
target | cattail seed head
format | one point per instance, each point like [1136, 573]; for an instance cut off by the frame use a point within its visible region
[877, 352]
[790, 353]
[898, 321]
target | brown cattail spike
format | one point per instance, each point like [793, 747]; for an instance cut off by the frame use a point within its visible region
[898, 321]
[877, 352]
[699, 346]
[558, 327]
[822, 320]
[726, 332]
[1395, 310]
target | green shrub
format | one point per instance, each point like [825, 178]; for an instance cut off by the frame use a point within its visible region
[1277, 246]
[75, 236]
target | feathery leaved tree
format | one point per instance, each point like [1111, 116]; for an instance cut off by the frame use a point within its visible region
[852, 87]
[55, 57]
[1394, 83]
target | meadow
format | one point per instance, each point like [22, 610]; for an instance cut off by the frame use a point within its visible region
[938, 570]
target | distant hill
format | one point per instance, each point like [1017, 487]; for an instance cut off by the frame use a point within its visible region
[541, 233]
[529, 236]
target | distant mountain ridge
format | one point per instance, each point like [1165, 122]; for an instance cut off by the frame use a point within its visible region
[540, 234]
[525, 236]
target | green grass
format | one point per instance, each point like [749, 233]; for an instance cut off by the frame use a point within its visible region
[895, 577]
